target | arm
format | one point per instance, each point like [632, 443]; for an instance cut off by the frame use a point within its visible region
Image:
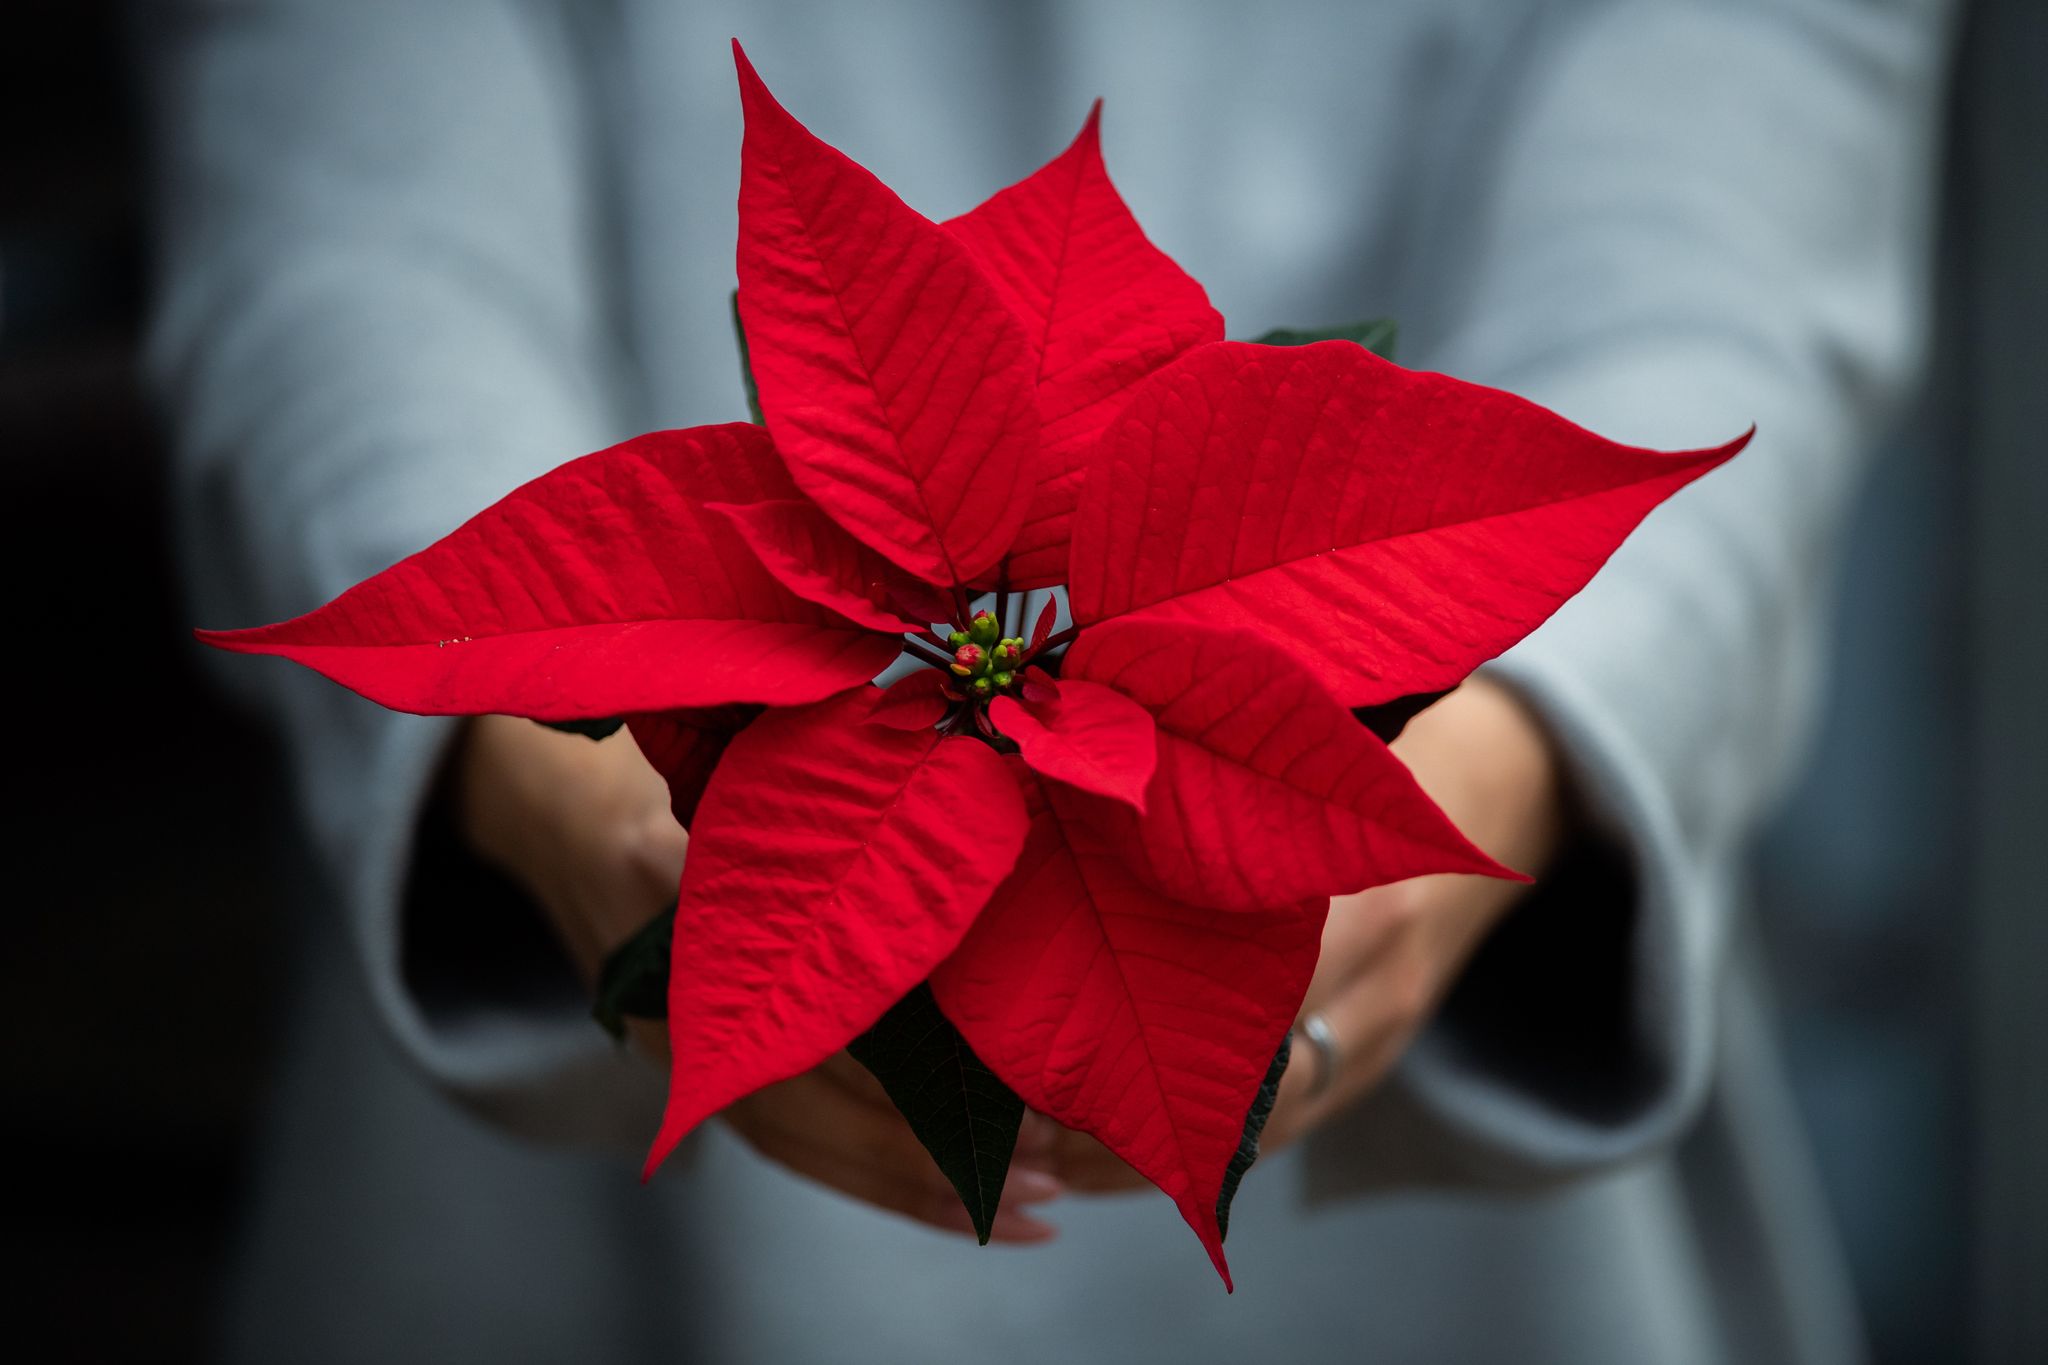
[1679, 219]
[379, 313]
[1697, 216]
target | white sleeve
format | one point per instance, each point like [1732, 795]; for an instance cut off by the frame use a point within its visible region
[378, 313]
[1689, 217]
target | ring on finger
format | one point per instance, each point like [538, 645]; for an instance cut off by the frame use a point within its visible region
[1320, 1037]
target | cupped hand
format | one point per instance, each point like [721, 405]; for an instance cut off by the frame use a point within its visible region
[586, 829]
[1390, 954]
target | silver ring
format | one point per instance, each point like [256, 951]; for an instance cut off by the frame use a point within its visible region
[1316, 1030]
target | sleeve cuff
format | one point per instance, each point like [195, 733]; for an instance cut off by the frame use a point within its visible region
[507, 1034]
[1579, 1036]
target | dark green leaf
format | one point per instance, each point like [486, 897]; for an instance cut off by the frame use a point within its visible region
[739, 334]
[964, 1116]
[1254, 1124]
[1390, 718]
[634, 979]
[1377, 336]
[589, 729]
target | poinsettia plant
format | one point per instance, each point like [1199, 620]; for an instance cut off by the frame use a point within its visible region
[1084, 869]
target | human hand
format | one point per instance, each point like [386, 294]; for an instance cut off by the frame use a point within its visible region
[1390, 954]
[835, 1125]
[587, 830]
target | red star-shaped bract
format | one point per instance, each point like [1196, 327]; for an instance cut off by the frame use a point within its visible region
[1114, 878]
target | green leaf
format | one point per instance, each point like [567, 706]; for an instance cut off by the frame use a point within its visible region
[1254, 1124]
[739, 333]
[634, 979]
[1390, 718]
[589, 729]
[1377, 336]
[964, 1116]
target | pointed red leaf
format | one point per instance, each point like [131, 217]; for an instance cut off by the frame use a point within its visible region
[1046, 616]
[816, 559]
[898, 385]
[684, 747]
[1120, 1012]
[1088, 736]
[1039, 685]
[1268, 791]
[1392, 529]
[917, 702]
[833, 864]
[1102, 308]
[602, 588]
[919, 601]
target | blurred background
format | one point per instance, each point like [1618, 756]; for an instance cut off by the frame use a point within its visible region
[1898, 891]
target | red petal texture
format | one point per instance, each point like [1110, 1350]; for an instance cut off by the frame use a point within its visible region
[684, 747]
[1268, 790]
[1118, 1011]
[815, 558]
[832, 865]
[898, 385]
[1088, 736]
[1394, 529]
[602, 588]
[917, 702]
[1102, 308]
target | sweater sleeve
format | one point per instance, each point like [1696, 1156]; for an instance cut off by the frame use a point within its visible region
[1682, 219]
[378, 312]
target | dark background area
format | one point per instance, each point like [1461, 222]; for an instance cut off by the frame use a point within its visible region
[136, 986]
[138, 993]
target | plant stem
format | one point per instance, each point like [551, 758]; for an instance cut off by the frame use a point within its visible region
[927, 653]
[1052, 642]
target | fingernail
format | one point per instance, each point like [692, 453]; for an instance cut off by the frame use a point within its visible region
[1011, 1226]
[1032, 1187]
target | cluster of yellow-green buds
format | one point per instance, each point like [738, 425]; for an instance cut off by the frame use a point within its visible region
[984, 661]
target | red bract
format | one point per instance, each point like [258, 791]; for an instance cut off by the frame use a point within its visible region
[1109, 849]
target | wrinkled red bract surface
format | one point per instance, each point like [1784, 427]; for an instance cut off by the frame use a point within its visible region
[1110, 849]
[1102, 308]
[1267, 790]
[814, 558]
[896, 384]
[685, 746]
[1167, 1015]
[1393, 529]
[553, 603]
[1090, 737]
[832, 865]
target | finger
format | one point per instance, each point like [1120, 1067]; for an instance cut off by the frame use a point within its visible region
[815, 1109]
[1369, 1023]
[811, 1112]
[1010, 1226]
[650, 1039]
[886, 1190]
[1085, 1165]
[1361, 930]
[1036, 1138]
[1291, 1102]
[932, 1202]
[856, 1080]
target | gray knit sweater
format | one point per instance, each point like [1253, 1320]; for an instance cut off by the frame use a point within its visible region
[414, 254]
